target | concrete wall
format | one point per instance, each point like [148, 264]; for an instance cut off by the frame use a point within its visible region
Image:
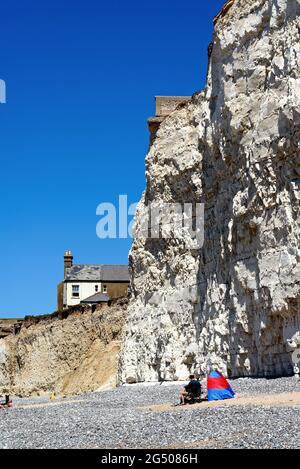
[60, 296]
[87, 289]
[116, 290]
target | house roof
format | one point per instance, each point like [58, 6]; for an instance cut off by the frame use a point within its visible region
[97, 273]
[97, 298]
[115, 273]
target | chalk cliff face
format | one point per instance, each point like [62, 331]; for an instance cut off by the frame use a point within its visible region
[72, 354]
[235, 147]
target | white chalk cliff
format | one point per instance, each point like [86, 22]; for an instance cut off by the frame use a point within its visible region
[235, 147]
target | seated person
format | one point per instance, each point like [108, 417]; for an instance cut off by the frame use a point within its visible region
[7, 403]
[191, 391]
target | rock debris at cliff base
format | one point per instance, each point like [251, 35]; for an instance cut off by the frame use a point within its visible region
[235, 303]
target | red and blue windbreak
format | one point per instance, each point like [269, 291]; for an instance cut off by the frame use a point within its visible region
[218, 387]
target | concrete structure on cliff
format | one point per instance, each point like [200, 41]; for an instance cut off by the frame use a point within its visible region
[91, 284]
[165, 105]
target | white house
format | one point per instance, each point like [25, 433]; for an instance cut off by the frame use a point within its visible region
[91, 284]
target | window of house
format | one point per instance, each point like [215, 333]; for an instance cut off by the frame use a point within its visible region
[96, 288]
[104, 288]
[75, 291]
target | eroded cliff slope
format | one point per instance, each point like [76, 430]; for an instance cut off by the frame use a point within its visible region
[69, 353]
[235, 147]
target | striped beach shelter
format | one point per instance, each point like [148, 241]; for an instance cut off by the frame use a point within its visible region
[218, 387]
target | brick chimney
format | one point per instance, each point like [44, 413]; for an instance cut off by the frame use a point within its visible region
[68, 261]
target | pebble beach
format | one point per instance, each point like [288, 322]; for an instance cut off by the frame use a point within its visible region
[265, 414]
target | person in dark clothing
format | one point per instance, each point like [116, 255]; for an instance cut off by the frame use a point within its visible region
[7, 403]
[191, 392]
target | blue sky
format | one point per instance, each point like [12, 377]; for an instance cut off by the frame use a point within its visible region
[81, 78]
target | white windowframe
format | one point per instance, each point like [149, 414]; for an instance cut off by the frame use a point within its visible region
[75, 291]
